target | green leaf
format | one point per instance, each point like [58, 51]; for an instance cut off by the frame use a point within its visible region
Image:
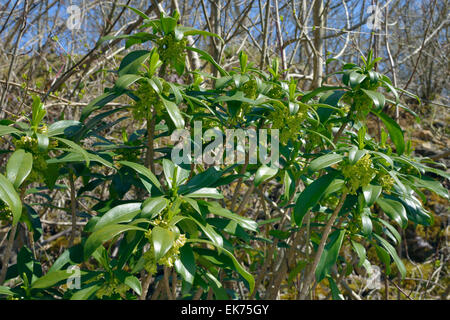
[134, 284]
[353, 78]
[42, 142]
[4, 130]
[174, 113]
[210, 233]
[138, 12]
[153, 206]
[335, 293]
[19, 167]
[212, 193]
[38, 111]
[355, 154]
[244, 222]
[393, 253]
[416, 212]
[310, 196]
[264, 173]
[185, 265]
[122, 213]
[144, 173]
[10, 197]
[60, 127]
[76, 148]
[52, 278]
[329, 255]
[175, 175]
[176, 92]
[125, 81]
[27, 267]
[206, 56]
[6, 291]
[246, 275]
[133, 61]
[168, 24]
[331, 98]
[371, 193]
[390, 231]
[72, 256]
[395, 210]
[315, 92]
[102, 235]
[395, 132]
[98, 103]
[85, 293]
[366, 222]
[432, 185]
[377, 98]
[31, 218]
[360, 251]
[325, 161]
[383, 255]
[163, 240]
[188, 31]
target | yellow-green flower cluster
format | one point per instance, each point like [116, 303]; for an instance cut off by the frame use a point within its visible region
[250, 90]
[148, 97]
[109, 288]
[30, 144]
[386, 181]
[169, 258]
[275, 92]
[288, 124]
[170, 50]
[5, 212]
[363, 103]
[43, 129]
[331, 202]
[27, 143]
[359, 174]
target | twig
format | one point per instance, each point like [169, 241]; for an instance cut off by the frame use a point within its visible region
[320, 249]
[7, 253]
[73, 207]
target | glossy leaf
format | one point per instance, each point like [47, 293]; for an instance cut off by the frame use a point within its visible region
[212, 193]
[394, 209]
[264, 173]
[133, 61]
[395, 132]
[371, 193]
[153, 206]
[19, 167]
[325, 161]
[174, 113]
[377, 98]
[393, 253]
[163, 240]
[185, 265]
[121, 213]
[310, 196]
[360, 251]
[104, 234]
[144, 173]
[52, 278]
[329, 255]
[10, 197]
